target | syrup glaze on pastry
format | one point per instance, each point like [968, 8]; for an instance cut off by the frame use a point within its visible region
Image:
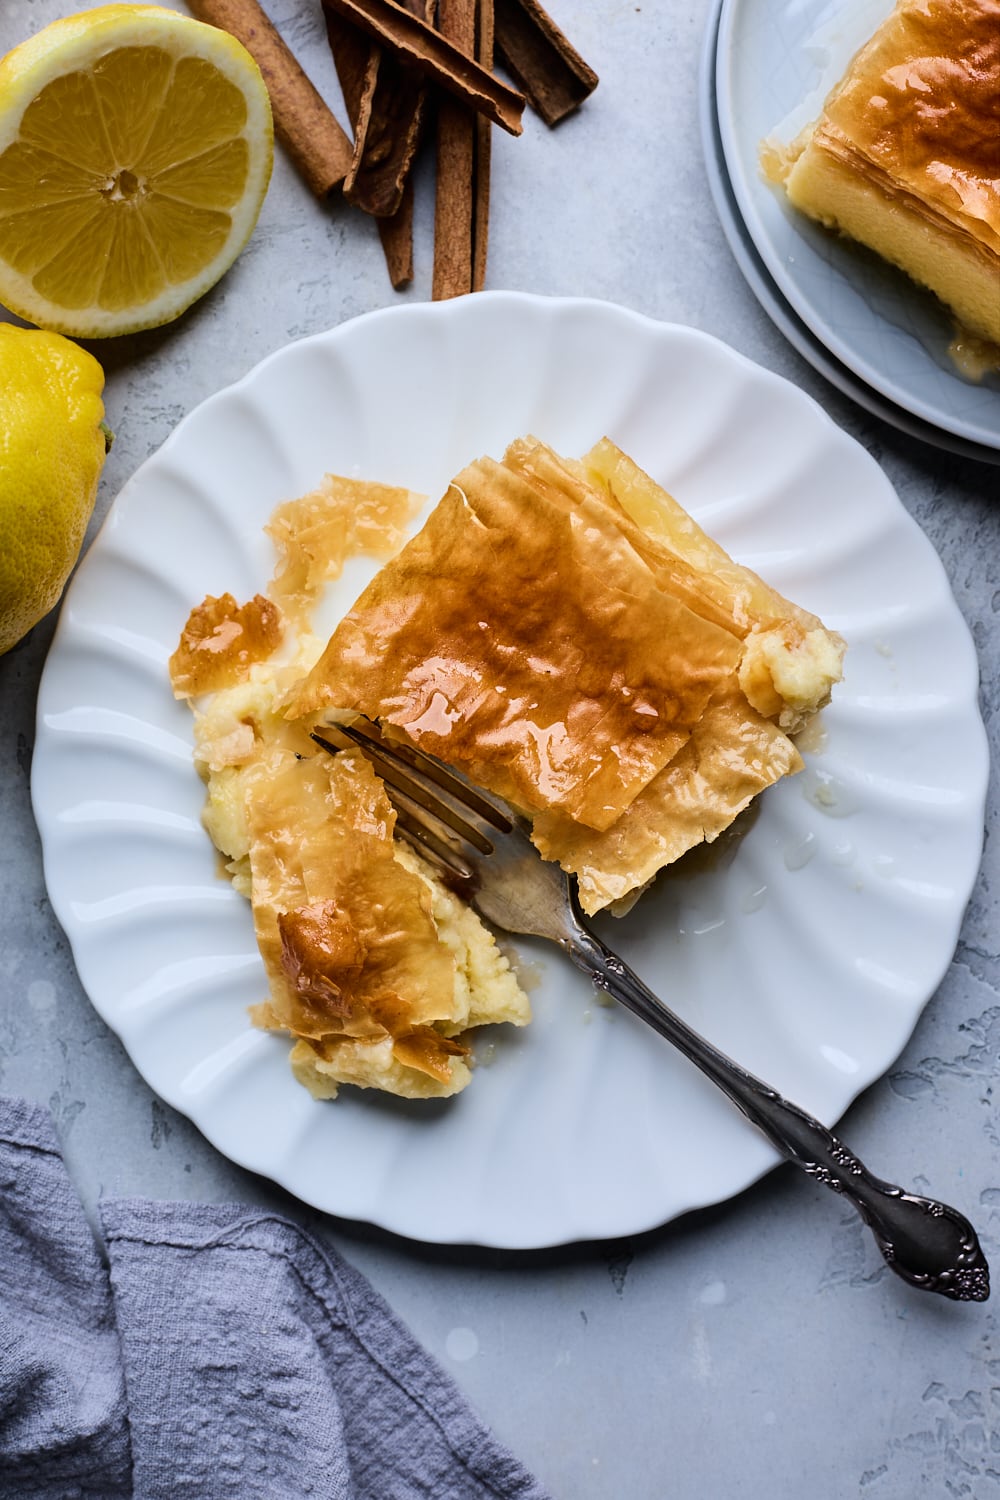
[567, 636]
[221, 641]
[524, 642]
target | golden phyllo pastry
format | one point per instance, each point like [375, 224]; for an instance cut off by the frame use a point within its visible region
[569, 638]
[221, 641]
[374, 970]
[905, 156]
[520, 637]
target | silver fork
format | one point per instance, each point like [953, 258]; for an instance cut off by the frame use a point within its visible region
[480, 848]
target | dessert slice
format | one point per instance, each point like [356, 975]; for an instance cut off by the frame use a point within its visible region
[567, 636]
[905, 156]
[525, 640]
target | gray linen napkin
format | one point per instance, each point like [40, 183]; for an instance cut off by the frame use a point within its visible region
[221, 1352]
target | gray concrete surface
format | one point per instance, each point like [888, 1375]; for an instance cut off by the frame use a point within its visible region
[757, 1349]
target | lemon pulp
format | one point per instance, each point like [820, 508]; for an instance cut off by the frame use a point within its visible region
[135, 150]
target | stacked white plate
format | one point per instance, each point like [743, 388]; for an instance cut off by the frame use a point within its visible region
[766, 68]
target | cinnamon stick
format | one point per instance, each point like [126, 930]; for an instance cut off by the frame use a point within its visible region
[351, 50]
[461, 198]
[485, 34]
[319, 147]
[396, 234]
[387, 128]
[433, 54]
[455, 165]
[549, 71]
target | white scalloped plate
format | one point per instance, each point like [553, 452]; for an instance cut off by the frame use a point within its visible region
[807, 951]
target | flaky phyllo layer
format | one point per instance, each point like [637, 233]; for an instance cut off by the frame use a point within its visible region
[571, 639]
[561, 631]
[374, 969]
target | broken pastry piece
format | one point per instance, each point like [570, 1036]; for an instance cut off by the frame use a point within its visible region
[569, 638]
[221, 642]
[368, 967]
[376, 972]
[905, 159]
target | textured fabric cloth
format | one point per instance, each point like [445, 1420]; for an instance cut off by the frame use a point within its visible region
[219, 1352]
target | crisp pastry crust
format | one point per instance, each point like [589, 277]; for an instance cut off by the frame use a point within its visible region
[222, 641]
[733, 754]
[521, 637]
[570, 638]
[315, 535]
[374, 970]
[905, 157]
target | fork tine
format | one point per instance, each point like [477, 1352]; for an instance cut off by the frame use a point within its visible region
[453, 844]
[396, 779]
[422, 816]
[471, 798]
[472, 813]
[451, 868]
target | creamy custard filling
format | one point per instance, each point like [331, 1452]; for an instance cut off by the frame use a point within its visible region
[983, 238]
[905, 156]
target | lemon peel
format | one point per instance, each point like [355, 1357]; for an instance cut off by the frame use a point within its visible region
[53, 441]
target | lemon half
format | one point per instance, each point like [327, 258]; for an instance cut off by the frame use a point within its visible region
[135, 151]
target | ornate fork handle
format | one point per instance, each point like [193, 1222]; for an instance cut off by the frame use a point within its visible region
[928, 1244]
[481, 849]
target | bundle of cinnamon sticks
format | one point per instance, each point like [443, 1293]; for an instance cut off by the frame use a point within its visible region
[404, 65]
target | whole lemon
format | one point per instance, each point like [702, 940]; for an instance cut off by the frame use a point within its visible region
[53, 444]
